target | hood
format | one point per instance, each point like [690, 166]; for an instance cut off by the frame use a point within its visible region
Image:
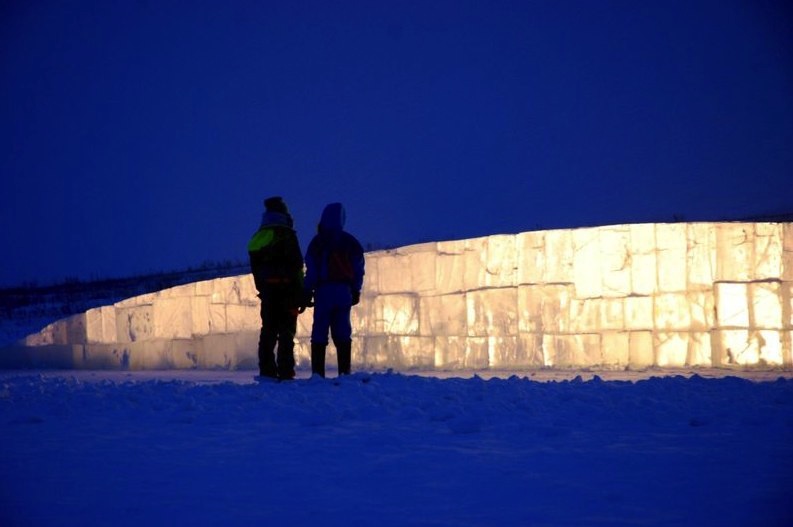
[333, 218]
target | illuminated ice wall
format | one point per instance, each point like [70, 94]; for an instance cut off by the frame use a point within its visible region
[625, 296]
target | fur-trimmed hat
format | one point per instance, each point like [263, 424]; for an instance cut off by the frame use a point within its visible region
[276, 204]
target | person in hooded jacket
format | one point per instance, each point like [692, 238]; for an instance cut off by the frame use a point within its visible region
[277, 267]
[334, 278]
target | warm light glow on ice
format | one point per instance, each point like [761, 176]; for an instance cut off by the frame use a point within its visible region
[623, 296]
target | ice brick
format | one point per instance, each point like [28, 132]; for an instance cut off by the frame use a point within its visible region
[531, 257]
[702, 310]
[444, 315]
[671, 348]
[449, 352]
[173, 317]
[530, 308]
[101, 356]
[584, 315]
[615, 256]
[217, 318]
[615, 346]
[179, 291]
[701, 256]
[239, 290]
[768, 251]
[672, 312]
[530, 352]
[474, 263]
[393, 273]
[570, 351]
[642, 238]
[418, 352]
[230, 351]
[736, 347]
[140, 300]
[771, 345]
[377, 353]
[477, 353]
[787, 252]
[766, 305]
[399, 314]
[185, 353]
[734, 248]
[503, 351]
[100, 325]
[741, 347]
[732, 305]
[559, 255]
[492, 312]
[371, 277]
[544, 308]
[786, 292]
[204, 288]
[644, 274]
[199, 307]
[639, 313]
[671, 257]
[450, 268]
[587, 262]
[699, 349]
[152, 354]
[398, 352]
[134, 323]
[501, 265]
[612, 313]
[642, 349]
[242, 317]
[422, 263]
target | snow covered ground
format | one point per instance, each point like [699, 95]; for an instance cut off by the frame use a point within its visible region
[544, 448]
[216, 448]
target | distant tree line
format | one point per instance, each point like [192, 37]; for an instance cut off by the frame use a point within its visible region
[74, 295]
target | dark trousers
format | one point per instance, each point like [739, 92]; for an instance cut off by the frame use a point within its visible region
[279, 325]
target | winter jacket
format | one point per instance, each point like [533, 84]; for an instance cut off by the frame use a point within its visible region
[275, 257]
[334, 255]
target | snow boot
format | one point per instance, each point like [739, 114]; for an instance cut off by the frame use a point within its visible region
[286, 361]
[344, 355]
[318, 359]
[267, 367]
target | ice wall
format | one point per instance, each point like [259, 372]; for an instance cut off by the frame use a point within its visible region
[625, 296]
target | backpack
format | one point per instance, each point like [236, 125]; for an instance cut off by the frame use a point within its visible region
[263, 245]
[340, 268]
[274, 256]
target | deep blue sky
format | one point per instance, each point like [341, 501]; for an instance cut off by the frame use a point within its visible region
[139, 136]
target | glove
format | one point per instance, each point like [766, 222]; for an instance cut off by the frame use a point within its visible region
[306, 301]
[356, 297]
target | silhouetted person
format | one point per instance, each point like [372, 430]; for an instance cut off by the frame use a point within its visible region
[334, 277]
[277, 267]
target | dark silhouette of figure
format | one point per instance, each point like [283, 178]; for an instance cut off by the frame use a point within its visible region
[334, 278]
[277, 267]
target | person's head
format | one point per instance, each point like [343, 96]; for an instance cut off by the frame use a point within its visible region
[333, 217]
[275, 204]
[276, 213]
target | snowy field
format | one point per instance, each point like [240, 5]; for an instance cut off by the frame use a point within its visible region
[216, 448]
[544, 448]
